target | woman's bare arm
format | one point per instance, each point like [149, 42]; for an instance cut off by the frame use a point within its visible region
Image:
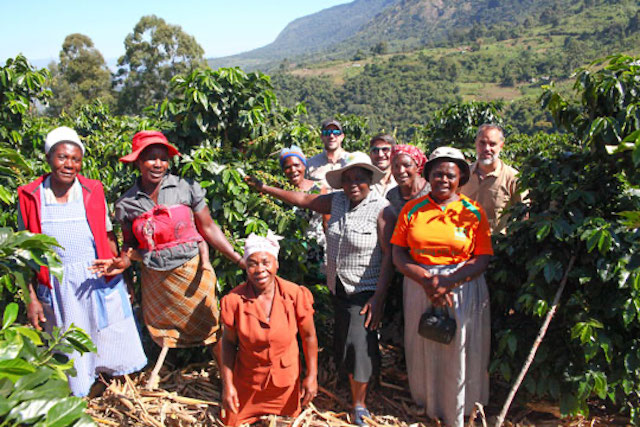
[229, 344]
[374, 308]
[407, 266]
[310, 349]
[35, 312]
[320, 203]
[215, 237]
[474, 267]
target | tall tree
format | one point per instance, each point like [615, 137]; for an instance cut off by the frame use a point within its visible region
[80, 77]
[154, 53]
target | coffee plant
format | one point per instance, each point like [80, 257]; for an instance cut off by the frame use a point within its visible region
[578, 187]
[582, 189]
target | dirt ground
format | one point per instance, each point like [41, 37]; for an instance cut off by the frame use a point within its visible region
[191, 396]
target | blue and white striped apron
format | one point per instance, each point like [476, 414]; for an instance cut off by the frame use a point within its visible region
[102, 309]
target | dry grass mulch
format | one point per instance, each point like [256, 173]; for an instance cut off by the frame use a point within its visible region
[191, 397]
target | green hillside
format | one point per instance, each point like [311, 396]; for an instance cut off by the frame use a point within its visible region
[413, 24]
[309, 34]
[508, 60]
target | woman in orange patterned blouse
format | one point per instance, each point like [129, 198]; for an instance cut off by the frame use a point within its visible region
[442, 244]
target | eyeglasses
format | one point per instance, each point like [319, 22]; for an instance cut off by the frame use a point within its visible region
[376, 150]
[327, 132]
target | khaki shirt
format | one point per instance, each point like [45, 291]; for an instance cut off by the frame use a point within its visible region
[319, 165]
[494, 192]
[385, 184]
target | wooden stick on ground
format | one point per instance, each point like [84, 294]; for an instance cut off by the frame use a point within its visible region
[536, 344]
[332, 396]
[153, 379]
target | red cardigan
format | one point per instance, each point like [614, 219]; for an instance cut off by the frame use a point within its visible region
[93, 197]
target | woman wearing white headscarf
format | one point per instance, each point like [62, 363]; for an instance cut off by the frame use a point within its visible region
[261, 320]
[358, 266]
[66, 205]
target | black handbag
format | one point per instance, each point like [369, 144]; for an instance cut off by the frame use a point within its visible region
[438, 327]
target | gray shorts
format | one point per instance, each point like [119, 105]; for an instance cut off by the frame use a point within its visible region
[355, 347]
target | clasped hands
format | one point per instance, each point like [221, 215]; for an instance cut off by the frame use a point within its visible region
[438, 289]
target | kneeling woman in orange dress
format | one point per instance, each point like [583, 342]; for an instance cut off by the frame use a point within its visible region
[260, 359]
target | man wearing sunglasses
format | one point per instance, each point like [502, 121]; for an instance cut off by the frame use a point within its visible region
[332, 157]
[380, 153]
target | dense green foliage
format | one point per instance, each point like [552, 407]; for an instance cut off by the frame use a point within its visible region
[577, 191]
[457, 124]
[228, 123]
[33, 365]
[20, 85]
[476, 59]
[33, 369]
[393, 95]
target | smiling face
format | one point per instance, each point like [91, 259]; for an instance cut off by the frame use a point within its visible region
[153, 164]
[489, 143]
[404, 170]
[261, 270]
[380, 153]
[444, 178]
[332, 141]
[65, 160]
[356, 183]
[294, 169]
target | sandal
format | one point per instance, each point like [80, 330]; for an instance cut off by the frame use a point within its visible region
[359, 412]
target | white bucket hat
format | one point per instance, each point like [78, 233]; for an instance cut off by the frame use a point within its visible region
[62, 134]
[453, 155]
[352, 160]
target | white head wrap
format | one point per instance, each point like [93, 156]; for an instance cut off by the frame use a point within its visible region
[255, 243]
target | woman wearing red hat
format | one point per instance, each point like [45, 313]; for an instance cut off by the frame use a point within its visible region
[164, 220]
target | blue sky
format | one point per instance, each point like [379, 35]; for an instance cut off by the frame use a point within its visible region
[37, 28]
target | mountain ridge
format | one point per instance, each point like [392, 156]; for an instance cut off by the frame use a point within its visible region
[309, 34]
[400, 25]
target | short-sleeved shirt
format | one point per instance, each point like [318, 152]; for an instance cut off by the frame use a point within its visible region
[383, 188]
[319, 165]
[75, 193]
[443, 235]
[353, 249]
[497, 190]
[173, 191]
[394, 196]
[267, 349]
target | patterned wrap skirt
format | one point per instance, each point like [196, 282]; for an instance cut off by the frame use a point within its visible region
[179, 306]
[448, 379]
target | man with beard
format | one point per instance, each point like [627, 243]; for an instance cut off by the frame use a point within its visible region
[493, 183]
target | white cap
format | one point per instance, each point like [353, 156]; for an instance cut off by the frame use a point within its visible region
[255, 243]
[352, 160]
[451, 154]
[62, 134]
